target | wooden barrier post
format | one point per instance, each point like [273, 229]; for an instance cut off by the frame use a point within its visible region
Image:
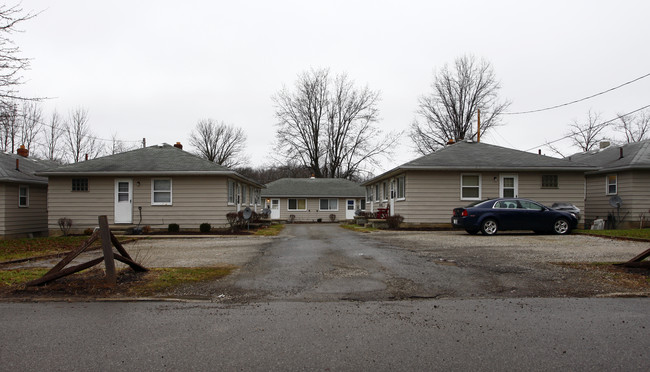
[107, 248]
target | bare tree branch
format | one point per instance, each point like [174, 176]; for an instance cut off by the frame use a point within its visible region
[79, 138]
[327, 125]
[586, 134]
[635, 127]
[458, 93]
[219, 143]
[11, 63]
[52, 134]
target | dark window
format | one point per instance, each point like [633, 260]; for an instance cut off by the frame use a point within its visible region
[550, 181]
[80, 184]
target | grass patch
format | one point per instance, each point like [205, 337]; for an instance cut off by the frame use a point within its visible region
[360, 228]
[14, 249]
[271, 230]
[608, 273]
[9, 278]
[629, 233]
[163, 279]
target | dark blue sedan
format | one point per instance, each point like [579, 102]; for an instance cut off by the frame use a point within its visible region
[490, 216]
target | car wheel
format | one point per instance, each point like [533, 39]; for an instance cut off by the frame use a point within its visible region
[561, 226]
[489, 227]
[471, 231]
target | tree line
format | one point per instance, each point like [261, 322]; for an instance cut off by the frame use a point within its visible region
[326, 124]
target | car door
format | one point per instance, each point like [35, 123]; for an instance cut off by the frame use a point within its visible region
[508, 214]
[533, 216]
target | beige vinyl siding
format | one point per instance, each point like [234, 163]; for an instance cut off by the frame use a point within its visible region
[21, 221]
[2, 209]
[194, 200]
[432, 195]
[632, 188]
[313, 212]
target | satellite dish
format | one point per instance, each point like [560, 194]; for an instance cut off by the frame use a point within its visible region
[615, 201]
[247, 213]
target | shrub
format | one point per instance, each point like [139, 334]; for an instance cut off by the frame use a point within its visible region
[394, 221]
[89, 231]
[173, 227]
[319, 220]
[205, 227]
[65, 224]
[146, 229]
[332, 217]
[232, 218]
[292, 217]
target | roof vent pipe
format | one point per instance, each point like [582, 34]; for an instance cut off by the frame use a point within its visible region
[620, 153]
[539, 151]
[17, 164]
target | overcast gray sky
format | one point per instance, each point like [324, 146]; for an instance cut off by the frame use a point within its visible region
[152, 69]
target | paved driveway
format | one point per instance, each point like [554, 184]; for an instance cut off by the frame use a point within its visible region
[323, 262]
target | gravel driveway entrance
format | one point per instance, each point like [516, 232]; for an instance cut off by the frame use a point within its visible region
[323, 262]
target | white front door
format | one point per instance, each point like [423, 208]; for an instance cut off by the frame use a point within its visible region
[509, 186]
[123, 201]
[350, 209]
[275, 209]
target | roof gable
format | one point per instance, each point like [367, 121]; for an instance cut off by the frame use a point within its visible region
[313, 187]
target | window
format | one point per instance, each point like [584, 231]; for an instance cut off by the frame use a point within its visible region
[470, 187]
[23, 196]
[369, 193]
[231, 192]
[363, 204]
[297, 205]
[549, 181]
[530, 205]
[385, 191]
[612, 188]
[250, 195]
[80, 184]
[243, 194]
[161, 192]
[329, 204]
[257, 197]
[401, 189]
[377, 192]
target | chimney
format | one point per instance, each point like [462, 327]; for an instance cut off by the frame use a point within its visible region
[604, 144]
[450, 142]
[312, 177]
[22, 151]
[178, 145]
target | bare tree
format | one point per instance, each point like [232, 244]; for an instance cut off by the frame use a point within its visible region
[11, 63]
[218, 142]
[635, 127]
[587, 134]
[9, 125]
[119, 146]
[458, 93]
[79, 138]
[52, 133]
[31, 117]
[327, 125]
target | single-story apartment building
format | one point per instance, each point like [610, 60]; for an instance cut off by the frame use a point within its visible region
[311, 199]
[155, 186]
[427, 189]
[622, 176]
[23, 195]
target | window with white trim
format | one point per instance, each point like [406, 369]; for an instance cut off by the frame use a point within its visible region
[23, 196]
[297, 205]
[377, 192]
[231, 192]
[385, 186]
[401, 189]
[161, 191]
[368, 194]
[470, 187]
[612, 184]
[329, 204]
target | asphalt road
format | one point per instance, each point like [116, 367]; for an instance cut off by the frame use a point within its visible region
[488, 335]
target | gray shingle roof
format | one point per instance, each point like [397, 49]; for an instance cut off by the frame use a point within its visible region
[313, 187]
[480, 156]
[635, 156]
[27, 169]
[153, 160]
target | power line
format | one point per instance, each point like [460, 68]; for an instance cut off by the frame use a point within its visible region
[601, 124]
[578, 100]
